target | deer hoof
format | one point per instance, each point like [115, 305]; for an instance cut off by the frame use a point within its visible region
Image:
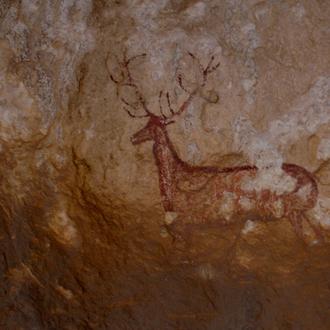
[170, 217]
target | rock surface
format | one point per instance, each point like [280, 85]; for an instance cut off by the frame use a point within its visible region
[90, 238]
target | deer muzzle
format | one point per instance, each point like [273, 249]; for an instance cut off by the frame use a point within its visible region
[141, 136]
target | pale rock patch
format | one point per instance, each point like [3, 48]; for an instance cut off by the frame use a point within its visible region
[304, 192]
[278, 208]
[299, 11]
[64, 228]
[309, 112]
[19, 115]
[206, 271]
[163, 232]
[323, 151]
[244, 259]
[193, 152]
[273, 179]
[321, 212]
[170, 217]
[246, 203]
[249, 226]
[66, 293]
[196, 11]
[248, 84]
[227, 205]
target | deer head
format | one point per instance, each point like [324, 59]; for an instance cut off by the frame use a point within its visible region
[155, 122]
[149, 131]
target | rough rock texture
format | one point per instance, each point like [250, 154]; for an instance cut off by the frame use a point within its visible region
[90, 238]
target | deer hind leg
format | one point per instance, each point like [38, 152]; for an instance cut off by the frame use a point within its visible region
[316, 228]
[296, 218]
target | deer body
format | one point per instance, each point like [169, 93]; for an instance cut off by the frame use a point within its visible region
[206, 194]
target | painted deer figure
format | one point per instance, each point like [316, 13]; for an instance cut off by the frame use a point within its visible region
[197, 194]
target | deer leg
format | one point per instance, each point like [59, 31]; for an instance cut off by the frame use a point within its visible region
[180, 234]
[296, 220]
[316, 228]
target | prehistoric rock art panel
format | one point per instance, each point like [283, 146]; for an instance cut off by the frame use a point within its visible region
[195, 194]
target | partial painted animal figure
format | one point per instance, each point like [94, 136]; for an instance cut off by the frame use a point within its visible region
[194, 194]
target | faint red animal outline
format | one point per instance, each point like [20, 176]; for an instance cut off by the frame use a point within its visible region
[192, 191]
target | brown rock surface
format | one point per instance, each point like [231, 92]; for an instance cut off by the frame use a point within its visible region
[90, 238]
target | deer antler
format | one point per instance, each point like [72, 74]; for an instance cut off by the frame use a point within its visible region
[205, 71]
[125, 79]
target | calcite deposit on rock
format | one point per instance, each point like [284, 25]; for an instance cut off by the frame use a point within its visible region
[217, 216]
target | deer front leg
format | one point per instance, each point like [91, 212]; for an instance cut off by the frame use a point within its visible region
[296, 220]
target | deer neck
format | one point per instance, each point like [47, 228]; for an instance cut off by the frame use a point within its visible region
[168, 163]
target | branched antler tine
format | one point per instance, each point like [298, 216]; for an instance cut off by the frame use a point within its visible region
[185, 104]
[213, 68]
[135, 57]
[209, 64]
[209, 69]
[180, 81]
[201, 68]
[126, 79]
[112, 78]
[182, 108]
[192, 55]
[160, 104]
[128, 72]
[205, 71]
[126, 63]
[129, 104]
[116, 81]
[134, 116]
[142, 101]
[169, 103]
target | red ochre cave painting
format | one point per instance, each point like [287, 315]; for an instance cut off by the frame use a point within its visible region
[211, 194]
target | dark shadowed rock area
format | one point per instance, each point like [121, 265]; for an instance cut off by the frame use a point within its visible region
[164, 164]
